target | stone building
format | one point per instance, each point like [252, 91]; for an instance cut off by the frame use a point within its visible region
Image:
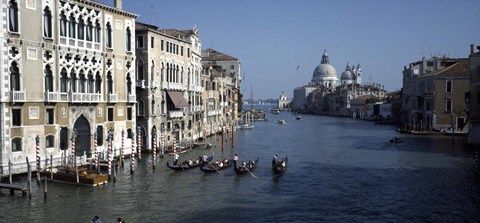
[66, 65]
[434, 94]
[168, 84]
[474, 97]
[283, 102]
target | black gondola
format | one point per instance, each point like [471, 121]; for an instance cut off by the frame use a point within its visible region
[250, 166]
[279, 167]
[211, 167]
[182, 166]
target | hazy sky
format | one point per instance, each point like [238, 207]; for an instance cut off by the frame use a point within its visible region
[272, 37]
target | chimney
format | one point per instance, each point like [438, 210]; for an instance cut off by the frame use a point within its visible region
[118, 4]
[471, 49]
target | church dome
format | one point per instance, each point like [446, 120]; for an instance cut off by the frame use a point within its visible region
[347, 74]
[324, 71]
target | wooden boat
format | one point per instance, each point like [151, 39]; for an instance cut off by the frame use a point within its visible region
[179, 150]
[279, 167]
[211, 167]
[202, 145]
[249, 167]
[68, 174]
[195, 164]
[281, 121]
[298, 117]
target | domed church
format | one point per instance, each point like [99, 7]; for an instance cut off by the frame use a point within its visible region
[351, 76]
[325, 74]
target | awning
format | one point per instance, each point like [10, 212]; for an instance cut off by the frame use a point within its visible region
[177, 99]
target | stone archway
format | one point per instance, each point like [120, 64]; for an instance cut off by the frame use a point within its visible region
[83, 143]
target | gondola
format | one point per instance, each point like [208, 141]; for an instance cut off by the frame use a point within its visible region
[187, 167]
[211, 167]
[397, 140]
[279, 167]
[248, 168]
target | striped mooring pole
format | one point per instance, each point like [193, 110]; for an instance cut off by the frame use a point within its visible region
[154, 148]
[122, 150]
[162, 143]
[132, 155]
[95, 152]
[139, 144]
[37, 143]
[74, 138]
[109, 153]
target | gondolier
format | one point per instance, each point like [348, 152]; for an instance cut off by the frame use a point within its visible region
[175, 158]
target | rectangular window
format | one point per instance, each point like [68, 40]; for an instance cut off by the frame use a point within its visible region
[448, 105]
[110, 114]
[63, 138]
[188, 52]
[161, 44]
[139, 41]
[166, 46]
[181, 51]
[176, 49]
[100, 135]
[449, 86]
[152, 42]
[129, 114]
[16, 117]
[50, 116]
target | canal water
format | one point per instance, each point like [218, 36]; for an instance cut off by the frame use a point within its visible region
[340, 170]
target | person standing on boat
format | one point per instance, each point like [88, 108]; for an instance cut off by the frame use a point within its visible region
[175, 158]
[205, 157]
[235, 158]
[96, 219]
[275, 160]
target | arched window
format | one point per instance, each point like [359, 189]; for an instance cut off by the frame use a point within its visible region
[91, 83]
[152, 72]
[14, 77]
[81, 28]
[48, 79]
[16, 144]
[73, 77]
[109, 35]
[154, 106]
[63, 81]
[50, 141]
[140, 70]
[129, 84]
[98, 32]
[177, 77]
[89, 30]
[63, 24]
[162, 69]
[109, 83]
[72, 25]
[13, 16]
[98, 83]
[47, 22]
[82, 82]
[129, 39]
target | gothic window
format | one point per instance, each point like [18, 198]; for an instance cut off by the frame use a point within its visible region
[91, 83]
[73, 88]
[48, 79]
[109, 35]
[161, 73]
[72, 25]
[63, 81]
[89, 30]
[47, 22]
[13, 16]
[109, 83]
[16, 144]
[81, 29]
[140, 69]
[14, 77]
[154, 106]
[98, 32]
[82, 82]
[98, 83]
[129, 85]
[152, 72]
[63, 25]
[129, 39]
[141, 108]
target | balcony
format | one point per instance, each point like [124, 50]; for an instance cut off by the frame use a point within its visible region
[175, 114]
[64, 97]
[210, 94]
[112, 98]
[154, 84]
[212, 113]
[17, 96]
[140, 83]
[173, 86]
[131, 98]
[84, 97]
[51, 97]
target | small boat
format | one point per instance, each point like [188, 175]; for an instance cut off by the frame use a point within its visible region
[245, 126]
[178, 150]
[202, 145]
[298, 117]
[68, 174]
[397, 140]
[458, 132]
[281, 121]
[212, 167]
[182, 166]
[250, 166]
[279, 167]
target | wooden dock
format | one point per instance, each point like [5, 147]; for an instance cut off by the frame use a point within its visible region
[13, 188]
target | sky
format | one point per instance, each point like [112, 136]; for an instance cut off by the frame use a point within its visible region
[272, 37]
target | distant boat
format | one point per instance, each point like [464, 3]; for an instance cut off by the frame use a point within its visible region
[281, 121]
[298, 117]
[279, 167]
[459, 132]
[202, 145]
[68, 174]
[245, 122]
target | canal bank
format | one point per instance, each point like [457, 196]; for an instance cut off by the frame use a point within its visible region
[340, 170]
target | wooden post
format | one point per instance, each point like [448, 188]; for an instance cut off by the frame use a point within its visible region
[10, 172]
[232, 135]
[76, 170]
[45, 189]
[222, 138]
[29, 180]
[51, 167]
[114, 173]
